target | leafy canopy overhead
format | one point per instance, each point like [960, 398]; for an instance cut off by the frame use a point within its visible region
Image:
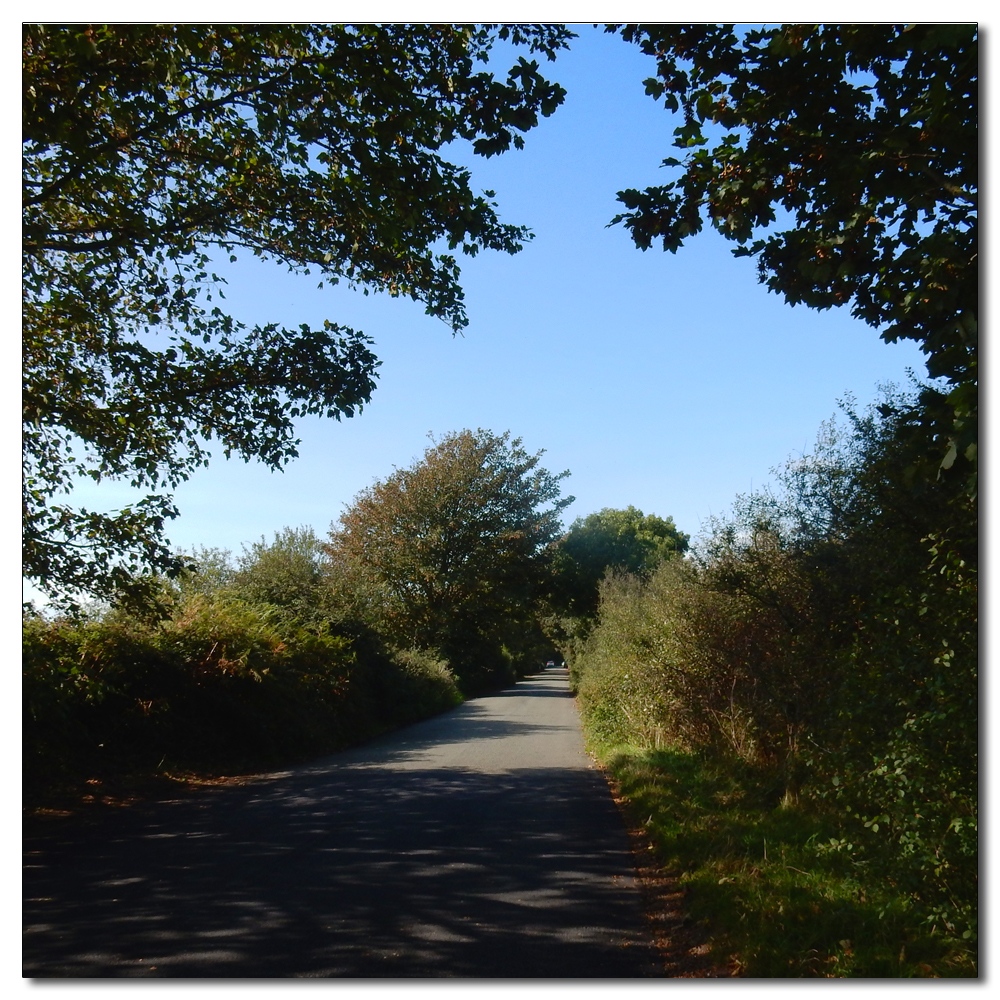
[152, 152]
[845, 159]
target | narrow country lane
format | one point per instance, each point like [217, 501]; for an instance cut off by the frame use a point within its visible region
[481, 843]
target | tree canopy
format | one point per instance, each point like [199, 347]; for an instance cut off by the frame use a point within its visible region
[154, 153]
[444, 554]
[844, 158]
[625, 540]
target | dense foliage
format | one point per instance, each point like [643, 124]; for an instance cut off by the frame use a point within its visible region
[762, 883]
[625, 540]
[154, 152]
[451, 553]
[826, 636]
[845, 160]
[301, 646]
[809, 674]
[246, 669]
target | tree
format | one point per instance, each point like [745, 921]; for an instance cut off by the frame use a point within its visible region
[151, 154]
[876, 587]
[444, 554]
[286, 573]
[625, 540]
[846, 162]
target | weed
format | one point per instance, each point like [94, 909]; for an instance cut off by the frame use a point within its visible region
[776, 901]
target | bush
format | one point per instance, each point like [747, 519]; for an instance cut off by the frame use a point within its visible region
[221, 683]
[424, 685]
[826, 637]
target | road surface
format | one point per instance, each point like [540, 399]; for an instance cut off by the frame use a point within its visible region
[481, 843]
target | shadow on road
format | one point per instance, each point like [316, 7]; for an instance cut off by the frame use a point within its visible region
[350, 867]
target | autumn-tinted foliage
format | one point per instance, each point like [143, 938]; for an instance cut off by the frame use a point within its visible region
[218, 683]
[152, 153]
[225, 679]
[844, 158]
[451, 553]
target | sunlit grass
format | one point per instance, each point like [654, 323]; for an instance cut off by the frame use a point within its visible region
[774, 898]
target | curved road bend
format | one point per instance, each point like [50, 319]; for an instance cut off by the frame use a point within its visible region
[481, 843]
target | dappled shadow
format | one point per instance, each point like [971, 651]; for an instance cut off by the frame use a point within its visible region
[351, 866]
[492, 717]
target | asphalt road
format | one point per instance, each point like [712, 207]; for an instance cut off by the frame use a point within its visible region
[482, 843]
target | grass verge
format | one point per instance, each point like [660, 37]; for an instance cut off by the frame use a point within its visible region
[774, 900]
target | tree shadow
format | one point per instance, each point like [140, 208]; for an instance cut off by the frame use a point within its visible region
[352, 866]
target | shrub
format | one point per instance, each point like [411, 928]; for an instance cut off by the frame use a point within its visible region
[221, 683]
[827, 637]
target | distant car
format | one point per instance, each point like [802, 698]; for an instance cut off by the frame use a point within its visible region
[550, 663]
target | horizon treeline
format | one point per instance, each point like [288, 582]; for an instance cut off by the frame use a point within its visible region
[821, 640]
[443, 580]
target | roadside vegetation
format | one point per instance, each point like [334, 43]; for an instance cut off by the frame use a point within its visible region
[302, 645]
[238, 668]
[790, 704]
[793, 713]
[775, 893]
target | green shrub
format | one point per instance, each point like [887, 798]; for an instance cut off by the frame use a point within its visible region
[826, 638]
[425, 684]
[776, 900]
[221, 683]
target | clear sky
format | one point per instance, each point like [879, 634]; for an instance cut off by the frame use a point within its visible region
[669, 382]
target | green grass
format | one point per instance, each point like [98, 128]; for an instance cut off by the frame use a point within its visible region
[774, 897]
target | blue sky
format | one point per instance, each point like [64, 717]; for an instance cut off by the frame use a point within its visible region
[669, 382]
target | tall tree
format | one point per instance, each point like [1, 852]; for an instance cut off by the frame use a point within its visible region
[845, 160]
[443, 554]
[625, 540]
[152, 152]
